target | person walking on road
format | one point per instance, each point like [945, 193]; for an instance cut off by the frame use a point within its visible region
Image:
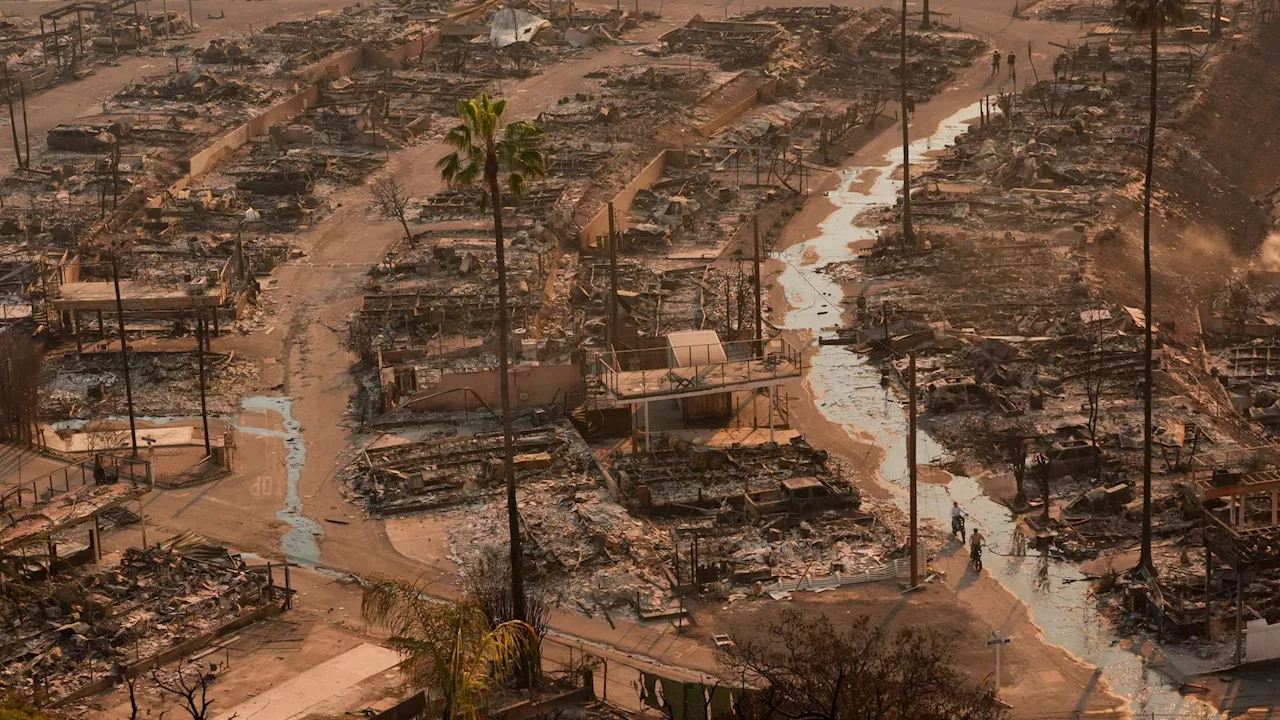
[957, 520]
[995, 62]
[1013, 70]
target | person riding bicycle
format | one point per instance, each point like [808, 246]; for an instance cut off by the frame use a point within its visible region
[958, 515]
[975, 546]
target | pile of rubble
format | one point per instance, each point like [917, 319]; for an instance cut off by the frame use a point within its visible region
[57, 639]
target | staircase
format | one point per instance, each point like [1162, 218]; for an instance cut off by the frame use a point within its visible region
[582, 407]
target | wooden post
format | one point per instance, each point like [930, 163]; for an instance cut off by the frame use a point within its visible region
[26, 132]
[204, 407]
[75, 330]
[1208, 590]
[142, 521]
[97, 543]
[1239, 614]
[772, 391]
[647, 429]
[612, 307]
[755, 233]
[911, 467]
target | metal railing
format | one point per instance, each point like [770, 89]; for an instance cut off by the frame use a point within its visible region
[1204, 465]
[705, 366]
[115, 469]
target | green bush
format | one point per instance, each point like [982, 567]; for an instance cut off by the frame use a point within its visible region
[19, 710]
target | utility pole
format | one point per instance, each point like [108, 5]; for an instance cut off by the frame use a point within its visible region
[191, 14]
[911, 469]
[204, 408]
[926, 23]
[997, 640]
[13, 126]
[613, 280]
[908, 236]
[124, 351]
[115, 174]
[755, 233]
[26, 133]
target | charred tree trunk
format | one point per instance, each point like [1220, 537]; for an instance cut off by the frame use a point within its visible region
[504, 340]
[1145, 560]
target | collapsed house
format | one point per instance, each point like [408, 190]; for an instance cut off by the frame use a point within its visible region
[68, 624]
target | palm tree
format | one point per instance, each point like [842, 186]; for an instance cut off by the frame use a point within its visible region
[483, 148]
[1150, 15]
[908, 235]
[448, 648]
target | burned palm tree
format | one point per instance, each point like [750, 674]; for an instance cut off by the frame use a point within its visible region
[1149, 15]
[484, 149]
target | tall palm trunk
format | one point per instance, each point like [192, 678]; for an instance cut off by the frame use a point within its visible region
[908, 235]
[1145, 558]
[504, 340]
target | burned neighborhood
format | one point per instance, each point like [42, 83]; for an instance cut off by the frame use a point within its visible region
[522, 358]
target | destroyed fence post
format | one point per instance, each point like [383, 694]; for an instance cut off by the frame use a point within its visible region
[204, 407]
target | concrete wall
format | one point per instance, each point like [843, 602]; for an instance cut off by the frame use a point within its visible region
[258, 125]
[764, 94]
[531, 386]
[394, 59]
[332, 67]
[599, 225]
[337, 65]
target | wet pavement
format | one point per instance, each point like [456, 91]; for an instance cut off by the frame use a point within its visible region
[847, 391]
[301, 543]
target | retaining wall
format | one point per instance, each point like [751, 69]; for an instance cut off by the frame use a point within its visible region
[531, 386]
[258, 125]
[763, 94]
[599, 225]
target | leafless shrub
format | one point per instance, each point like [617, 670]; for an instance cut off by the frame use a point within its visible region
[189, 685]
[392, 200]
[810, 668]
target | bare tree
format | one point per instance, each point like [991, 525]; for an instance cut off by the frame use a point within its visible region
[1096, 380]
[392, 200]
[131, 684]
[812, 669]
[189, 684]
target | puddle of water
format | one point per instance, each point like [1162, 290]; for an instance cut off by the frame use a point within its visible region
[301, 543]
[847, 390]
